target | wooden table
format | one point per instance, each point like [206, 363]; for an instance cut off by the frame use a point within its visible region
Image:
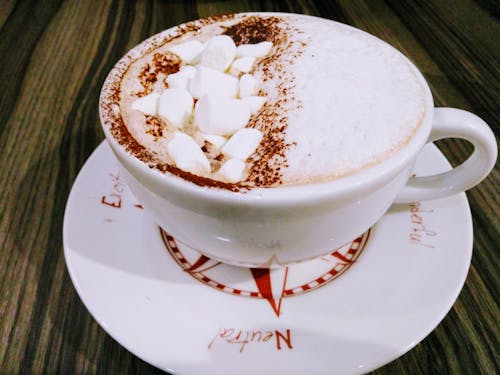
[54, 58]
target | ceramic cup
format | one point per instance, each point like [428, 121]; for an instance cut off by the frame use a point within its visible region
[271, 227]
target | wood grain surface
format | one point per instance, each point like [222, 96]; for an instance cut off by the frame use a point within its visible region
[54, 58]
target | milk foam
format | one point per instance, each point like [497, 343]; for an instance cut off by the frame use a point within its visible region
[355, 101]
[361, 101]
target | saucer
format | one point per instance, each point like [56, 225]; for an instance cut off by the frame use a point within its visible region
[350, 311]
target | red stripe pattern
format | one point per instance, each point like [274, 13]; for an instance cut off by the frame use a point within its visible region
[343, 264]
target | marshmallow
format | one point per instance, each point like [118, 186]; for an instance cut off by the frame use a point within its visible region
[147, 104]
[215, 140]
[207, 81]
[232, 170]
[175, 106]
[242, 65]
[242, 144]
[220, 116]
[189, 52]
[177, 81]
[180, 80]
[254, 103]
[219, 53]
[256, 50]
[188, 70]
[187, 155]
[248, 86]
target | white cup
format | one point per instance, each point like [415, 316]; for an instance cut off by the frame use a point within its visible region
[271, 227]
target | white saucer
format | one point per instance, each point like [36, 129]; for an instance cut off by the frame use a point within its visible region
[187, 314]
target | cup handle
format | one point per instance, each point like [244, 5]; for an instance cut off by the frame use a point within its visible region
[455, 123]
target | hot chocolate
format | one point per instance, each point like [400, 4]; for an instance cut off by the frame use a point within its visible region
[257, 100]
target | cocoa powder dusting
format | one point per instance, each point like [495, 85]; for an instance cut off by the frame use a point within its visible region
[155, 126]
[255, 29]
[269, 160]
[165, 63]
[267, 163]
[198, 180]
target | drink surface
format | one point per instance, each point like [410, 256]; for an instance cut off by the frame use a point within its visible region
[337, 100]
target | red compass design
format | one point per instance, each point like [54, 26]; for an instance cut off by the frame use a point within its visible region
[270, 284]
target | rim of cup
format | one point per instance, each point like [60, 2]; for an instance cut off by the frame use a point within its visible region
[352, 185]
